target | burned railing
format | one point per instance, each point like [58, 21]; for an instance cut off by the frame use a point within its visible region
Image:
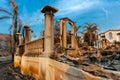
[34, 48]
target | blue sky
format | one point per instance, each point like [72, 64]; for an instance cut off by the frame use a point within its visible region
[105, 13]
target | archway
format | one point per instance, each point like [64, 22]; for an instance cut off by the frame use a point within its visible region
[63, 33]
[69, 35]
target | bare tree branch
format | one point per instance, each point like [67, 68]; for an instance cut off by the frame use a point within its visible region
[5, 10]
[4, 17]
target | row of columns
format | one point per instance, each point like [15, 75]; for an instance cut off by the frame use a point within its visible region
[49, 31]
[21, 40]
[27, 35]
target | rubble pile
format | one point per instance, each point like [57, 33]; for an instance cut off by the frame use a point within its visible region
[111, 61]
[102, 63]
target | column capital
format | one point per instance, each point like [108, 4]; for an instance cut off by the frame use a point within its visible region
[48, 8]
[26, 26]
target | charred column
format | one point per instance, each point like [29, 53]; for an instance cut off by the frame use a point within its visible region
[73, 42]
[19, 39]
[27, 33]
[49, 32]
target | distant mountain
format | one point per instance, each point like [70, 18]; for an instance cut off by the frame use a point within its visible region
[4, 44]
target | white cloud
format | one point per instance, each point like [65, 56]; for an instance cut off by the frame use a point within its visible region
[67, 7]
[106, 12]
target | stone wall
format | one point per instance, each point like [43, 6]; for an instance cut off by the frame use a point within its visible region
[34, 48]
[42, 68]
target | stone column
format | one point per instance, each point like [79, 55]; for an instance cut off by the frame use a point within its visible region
[18, 44]
[19, 38]
[27, 33]
[61, 34]
[73, 36]
[27, 37]
[64, 36]
[49, 32]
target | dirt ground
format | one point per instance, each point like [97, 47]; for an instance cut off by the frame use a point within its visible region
[4, 72]
[8, 72]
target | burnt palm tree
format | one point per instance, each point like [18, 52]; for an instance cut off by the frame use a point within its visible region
[13, 15]
[14, 18]
[16, 27]
[77, 29]
[90, 33]
[78, 38]
[9, 14]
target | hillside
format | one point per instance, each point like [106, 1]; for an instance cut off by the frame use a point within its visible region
[4, 44]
